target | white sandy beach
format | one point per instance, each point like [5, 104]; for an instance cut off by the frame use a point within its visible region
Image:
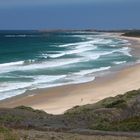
[57, 100]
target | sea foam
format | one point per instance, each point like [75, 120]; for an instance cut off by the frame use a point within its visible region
[56, 63]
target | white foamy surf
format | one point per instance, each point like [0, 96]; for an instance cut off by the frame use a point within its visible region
[61, 63]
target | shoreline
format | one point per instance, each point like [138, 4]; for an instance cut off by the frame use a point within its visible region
[56, 100]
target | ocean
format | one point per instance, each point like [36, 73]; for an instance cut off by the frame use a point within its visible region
[32, 59]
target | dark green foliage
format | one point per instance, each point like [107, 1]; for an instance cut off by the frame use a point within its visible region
[10, 118]
[25, 108]
[133, 33]
[129, 124]
[29, 109]
[116, 104]
[132, 94]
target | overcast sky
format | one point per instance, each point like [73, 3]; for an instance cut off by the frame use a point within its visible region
[69, 14]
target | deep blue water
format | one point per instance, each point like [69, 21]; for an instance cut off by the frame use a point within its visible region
[31, 60]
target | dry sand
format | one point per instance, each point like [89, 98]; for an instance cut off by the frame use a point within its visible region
[59, 99]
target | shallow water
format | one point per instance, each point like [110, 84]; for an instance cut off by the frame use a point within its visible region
[31, 60]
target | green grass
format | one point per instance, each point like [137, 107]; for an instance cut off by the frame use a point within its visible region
[129, 124]
[30, 109]
[120, 113]
[10, 118]
[120, 103]
[8, 134]
[108, 114]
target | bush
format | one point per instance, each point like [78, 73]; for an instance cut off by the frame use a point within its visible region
[134, 33]
[120, 103]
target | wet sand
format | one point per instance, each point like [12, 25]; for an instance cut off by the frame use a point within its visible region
[58, 99]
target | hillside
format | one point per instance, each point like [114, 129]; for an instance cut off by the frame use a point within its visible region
[120, 113]
[133, 33]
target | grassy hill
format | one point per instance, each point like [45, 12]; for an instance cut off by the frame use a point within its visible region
[133, 33]
[117, 114]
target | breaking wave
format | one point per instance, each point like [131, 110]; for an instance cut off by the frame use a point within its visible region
[62, 63]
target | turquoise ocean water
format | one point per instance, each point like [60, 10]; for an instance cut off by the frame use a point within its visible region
[31, 59]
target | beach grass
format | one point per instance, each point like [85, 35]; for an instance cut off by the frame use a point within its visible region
[8, 134]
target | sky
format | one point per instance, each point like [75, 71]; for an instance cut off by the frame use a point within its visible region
[69, 14]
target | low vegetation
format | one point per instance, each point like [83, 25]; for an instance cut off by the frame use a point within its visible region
[133, 33]
[8, 134]
[120, 113]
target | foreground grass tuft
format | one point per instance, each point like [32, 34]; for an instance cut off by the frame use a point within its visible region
[8, 134]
